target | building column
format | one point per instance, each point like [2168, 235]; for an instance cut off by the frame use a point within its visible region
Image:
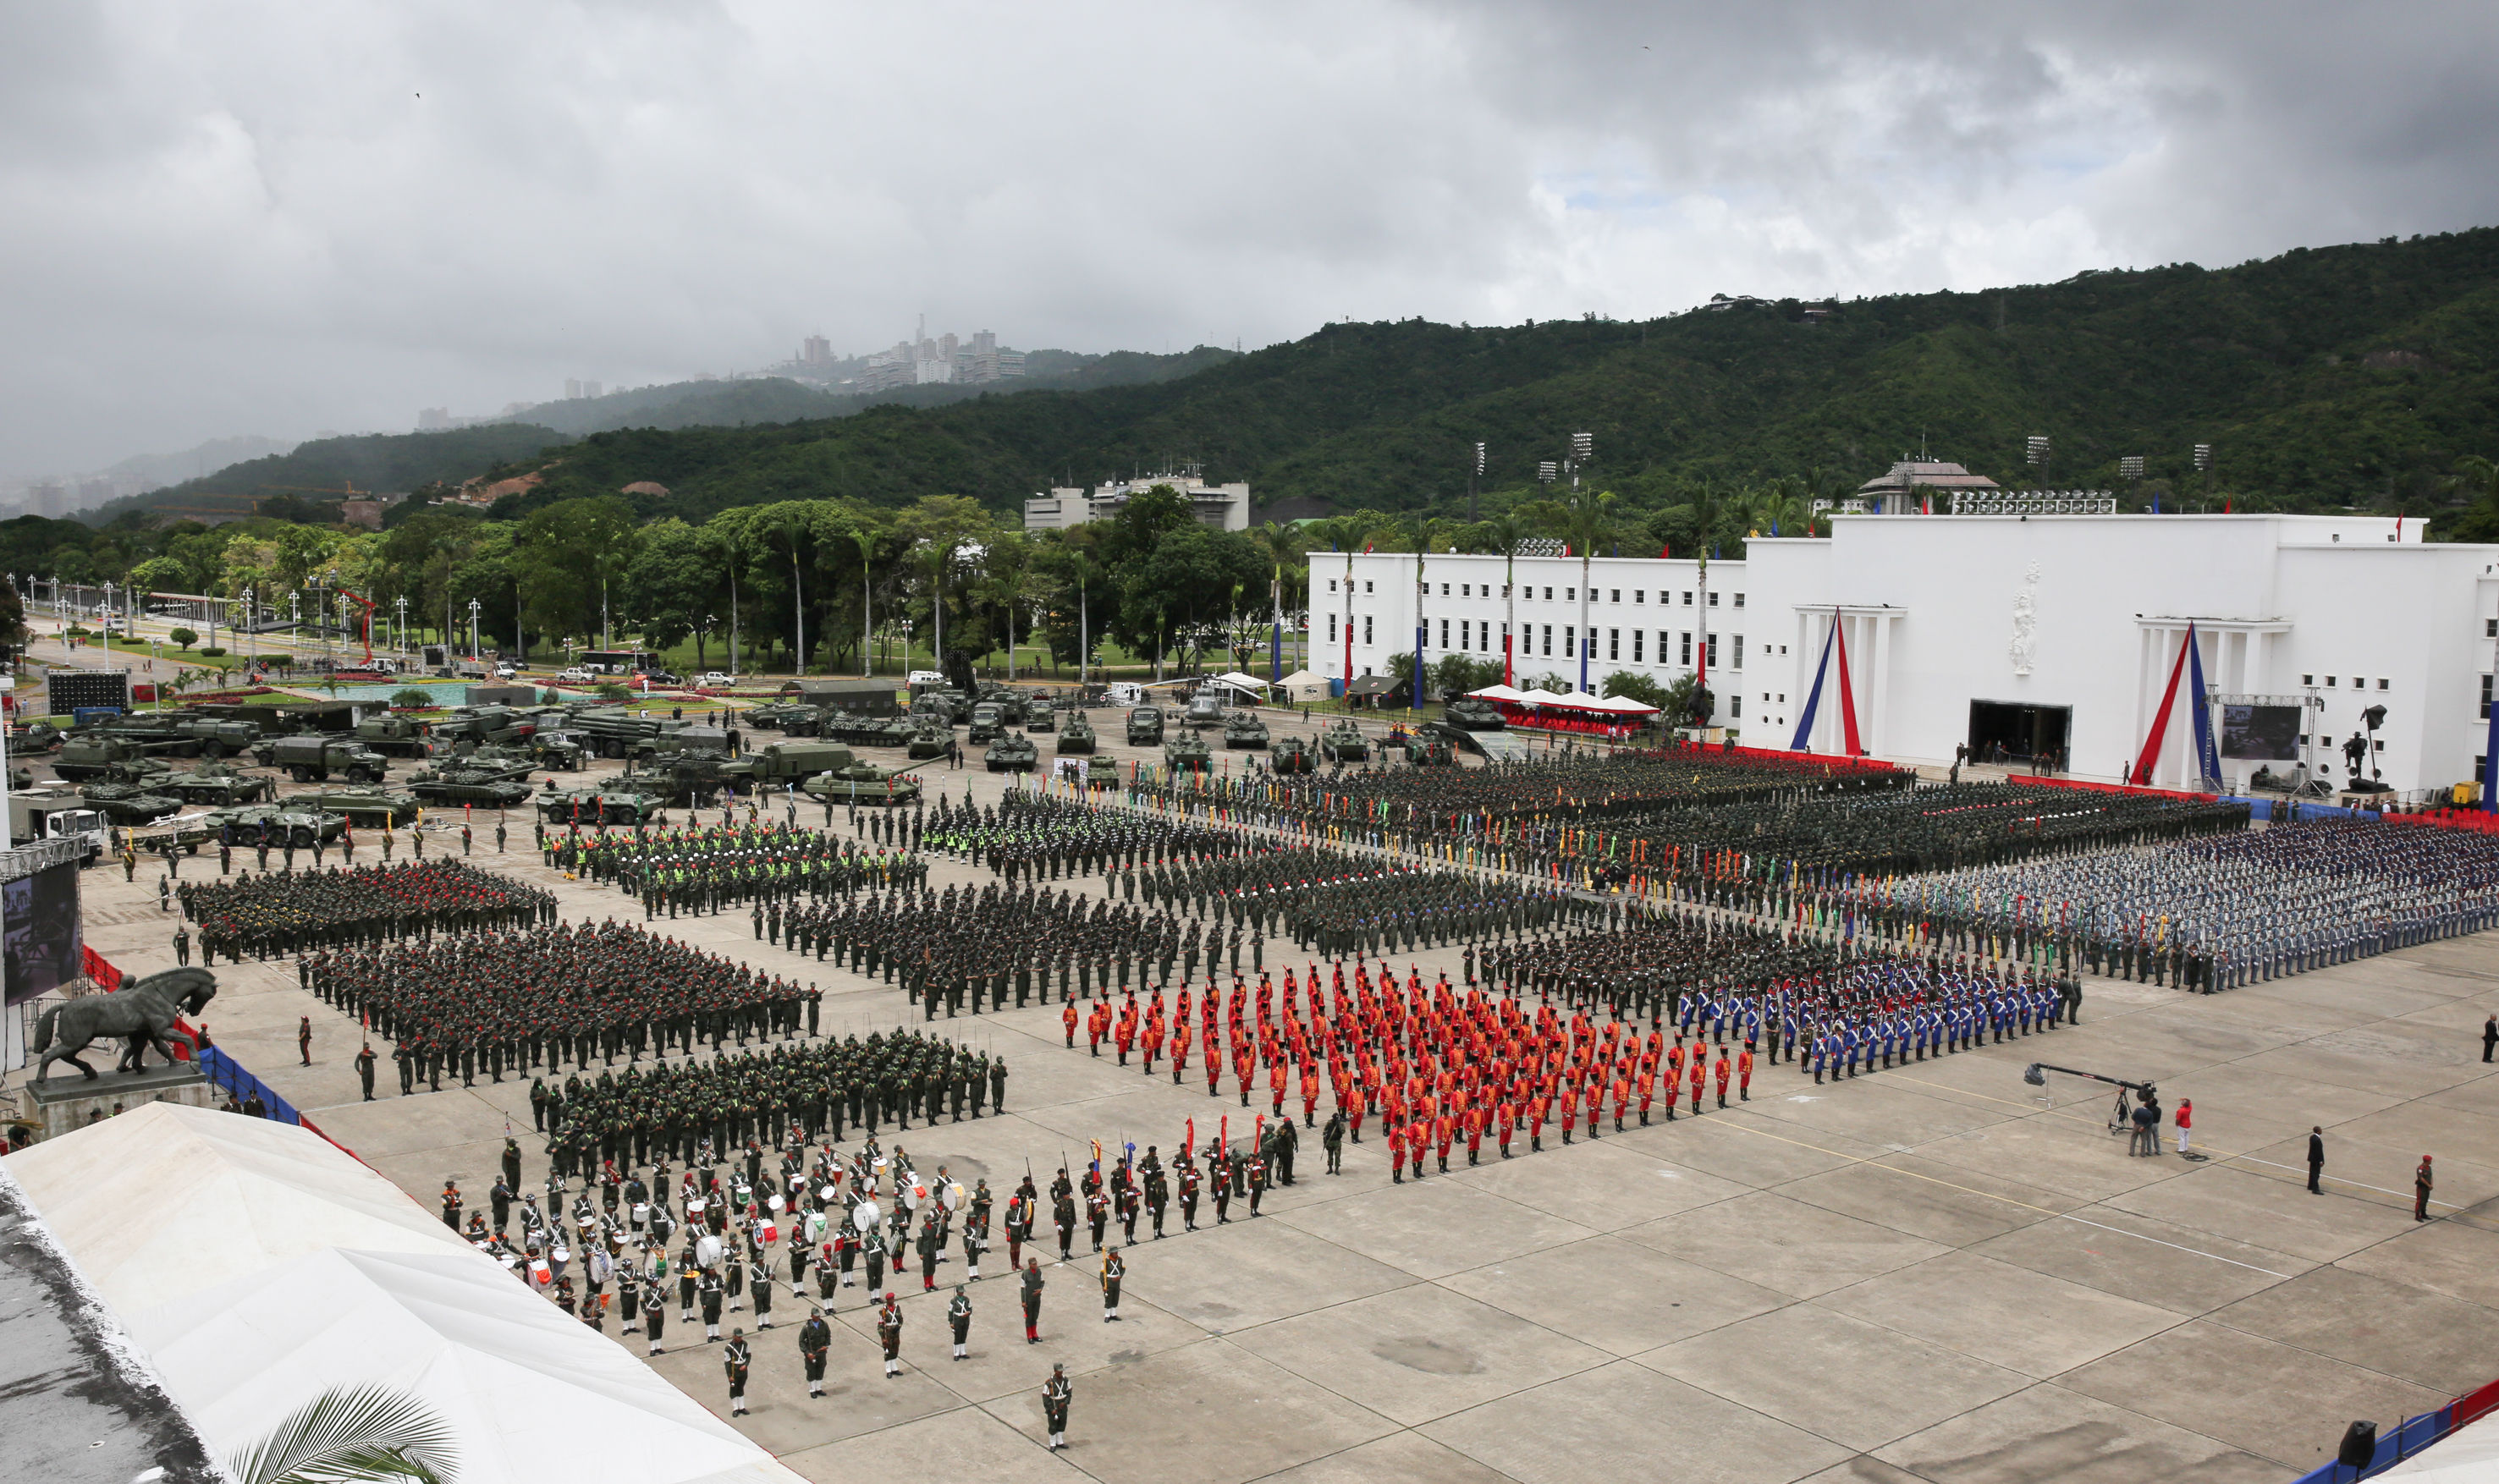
[1879, 700]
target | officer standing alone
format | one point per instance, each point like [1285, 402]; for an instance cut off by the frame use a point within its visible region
[736, 1361]
[1056, 1394]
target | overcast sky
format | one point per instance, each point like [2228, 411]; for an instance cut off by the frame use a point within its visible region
[282, 219]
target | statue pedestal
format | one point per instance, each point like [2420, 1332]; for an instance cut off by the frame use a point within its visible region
[66, 1103]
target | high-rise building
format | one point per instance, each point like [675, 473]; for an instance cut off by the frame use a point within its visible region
[815, 350]
[433, 419]
[571, 390]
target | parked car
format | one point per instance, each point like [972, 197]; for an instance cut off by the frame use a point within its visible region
[506, 671]
[714, 679]
[575, 676]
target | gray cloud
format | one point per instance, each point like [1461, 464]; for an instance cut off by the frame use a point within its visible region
[232, 218]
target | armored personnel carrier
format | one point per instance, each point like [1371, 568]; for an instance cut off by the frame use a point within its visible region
[364, 808]
[928, 739]
[1293, 754]
[1078, 737]
[217, 783]
[1343, 742]
[776, 716]
[1243, 728]
[1188, 749]
[256, 824]
[598, 806]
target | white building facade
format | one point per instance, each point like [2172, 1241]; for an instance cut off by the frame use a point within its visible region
[1221, 506]
[2041, 633]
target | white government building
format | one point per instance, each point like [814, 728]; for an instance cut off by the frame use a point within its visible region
[2039, 631]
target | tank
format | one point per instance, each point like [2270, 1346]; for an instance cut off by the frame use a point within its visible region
[776, 716]
[1425, 751]
[1146, 726]
[1188, 749]
[1293, 754]
[217, 783]
[1078, 736]
[1343, 742]
[860, 781]
[1244, 729]
[1475, 714]
[457, 783]
[364, 808]
[36, 737]
[1013, 755]
[90, 756]
[129, 803]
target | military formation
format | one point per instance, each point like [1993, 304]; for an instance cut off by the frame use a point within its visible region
[274, 915]
[1043, 836]
[700, 870]
[493, 1002]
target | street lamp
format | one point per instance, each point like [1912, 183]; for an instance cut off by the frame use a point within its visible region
[252, 624]
[473, 606]
[400, 603]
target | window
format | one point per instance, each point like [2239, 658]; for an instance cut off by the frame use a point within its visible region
[1684, 650]
[1466, 590]
[2485, 697]
[1783, 697]
[1366, 584]
[1639, 595]
[1739, 662]
[1366, 628]
[1445, 590]
[1549, 595]
[1735, 706]
[1739, 600]
[1637, 636]
[1713, 600]
[1504, 635]
[1570, 636]
[1505, 590]
[1714, 649]
[2490, 628]
[1617, 595]
[1331, 584]
[2308, 680]
[2330, 681]
[1465, 637]
[1661, 646]
[1444, 633]
[2382, 682]
[1614, 644]
[1687, 599]
[1548, 639]
[1331, 628]
[1570, 594]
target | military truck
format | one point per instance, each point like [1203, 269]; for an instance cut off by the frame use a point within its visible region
[1343, 742]
[860, 781]
[1205, 708]
[1244, 729]
[129, 803]
[557, 750]
[947, 705]
[218, 785]
[988, 723]
[364, 808]
[313, 757]
[481, 724]
[181, 733]
[1475, 714]
[1146, 726]
[686, 736]
[1041, 717]
[787, 763]
[611, 732]
[1012, 753]
[1293, 754]
[1188, 749]
[1077, 738]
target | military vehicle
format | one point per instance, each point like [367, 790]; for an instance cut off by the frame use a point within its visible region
[1013, 754]
[21, 777]
[255, 824]
[1475, 714]
[1041, 717]
[611, 732]
[1205, 708]
[928, 739]
[556, 749]
[1145, 726]
[153, 772]
[598, 806]
[685, 736]
[217, 783]
[129, 803]
[313, 757]
[1013, 704]
[1243, 728]
[1429, 750]
[460, 783]
[92, 755]
[776, 716]
[877, 731]
[1293, 754]
[364, 808]
[393, 736]
[1078, 737]
[36, 737]
[186, 734]
[988, 723]
[948, 705]
[860, 781]
[1343, 742]
[1188, 749]
[482, 724]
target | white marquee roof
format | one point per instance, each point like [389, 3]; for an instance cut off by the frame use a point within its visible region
[260, 1266]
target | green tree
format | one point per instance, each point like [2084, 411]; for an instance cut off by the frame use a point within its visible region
[568, 557]
[1584, 520]
[185, 637]
[673, 585]
[352, 1434]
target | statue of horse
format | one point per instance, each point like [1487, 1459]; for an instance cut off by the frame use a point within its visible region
[143, 1012]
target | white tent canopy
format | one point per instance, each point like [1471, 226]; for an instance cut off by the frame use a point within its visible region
[260, 1266]
[1238, 681]
[1499, 693]
[1304, 685]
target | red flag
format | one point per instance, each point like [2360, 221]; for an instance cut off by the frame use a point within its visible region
[1190, 1145]
[1665, 551]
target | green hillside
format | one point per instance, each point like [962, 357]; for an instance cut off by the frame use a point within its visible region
[2354, 375]
[374, 461]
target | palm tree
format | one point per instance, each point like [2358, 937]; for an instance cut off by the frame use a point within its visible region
[1583, 519]
[1779, 510]
[366, 1433]
[848, 527]
[792, 527]
[1282, 543]
[1420, 530]
[1711, 506]
[1506, 534]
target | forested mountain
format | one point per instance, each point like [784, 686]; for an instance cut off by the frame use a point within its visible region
[2357, 375]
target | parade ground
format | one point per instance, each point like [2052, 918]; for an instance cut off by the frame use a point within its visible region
[1934, 1272]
